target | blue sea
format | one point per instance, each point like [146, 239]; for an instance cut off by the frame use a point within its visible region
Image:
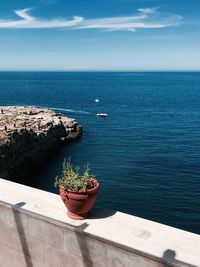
[146, 153]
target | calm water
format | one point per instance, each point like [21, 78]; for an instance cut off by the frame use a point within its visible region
[146, 154]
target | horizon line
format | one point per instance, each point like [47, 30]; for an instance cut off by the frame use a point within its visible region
[100, 70]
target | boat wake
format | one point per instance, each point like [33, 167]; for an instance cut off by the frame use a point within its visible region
[81, 112]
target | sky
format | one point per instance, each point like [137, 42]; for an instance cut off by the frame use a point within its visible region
[84, 35]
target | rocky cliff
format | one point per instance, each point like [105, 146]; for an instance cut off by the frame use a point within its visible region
[29, 135]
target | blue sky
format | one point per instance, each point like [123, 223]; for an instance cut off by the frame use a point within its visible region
[100, 35]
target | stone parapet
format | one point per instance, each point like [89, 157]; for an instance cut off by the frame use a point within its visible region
[35, 232]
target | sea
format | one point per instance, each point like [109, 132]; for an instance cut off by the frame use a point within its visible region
[145, 154]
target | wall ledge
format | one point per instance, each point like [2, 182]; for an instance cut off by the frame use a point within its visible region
[152, 240]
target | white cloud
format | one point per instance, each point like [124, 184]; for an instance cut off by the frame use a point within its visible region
[147, 10]
[147, 18]
[24, 14]
[27, 21]
[129, 24]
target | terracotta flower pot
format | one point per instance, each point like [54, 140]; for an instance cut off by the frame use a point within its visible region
[79, 203]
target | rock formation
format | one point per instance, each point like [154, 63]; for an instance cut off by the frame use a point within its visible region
[28, 135]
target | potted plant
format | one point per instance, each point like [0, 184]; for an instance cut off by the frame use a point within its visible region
[78, 192]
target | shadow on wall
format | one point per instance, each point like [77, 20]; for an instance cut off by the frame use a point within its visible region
[88, 259]
[85, 252]
[79, 232]
[169, 258]
[21, 233]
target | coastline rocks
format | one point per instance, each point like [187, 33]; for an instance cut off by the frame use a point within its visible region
[28, 137]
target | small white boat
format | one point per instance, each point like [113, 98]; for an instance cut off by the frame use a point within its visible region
[103, 115]
[97, 100]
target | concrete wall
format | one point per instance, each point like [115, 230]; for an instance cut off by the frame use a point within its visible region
[35, 232]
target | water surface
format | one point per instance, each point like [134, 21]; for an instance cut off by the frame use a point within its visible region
[146, 154]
